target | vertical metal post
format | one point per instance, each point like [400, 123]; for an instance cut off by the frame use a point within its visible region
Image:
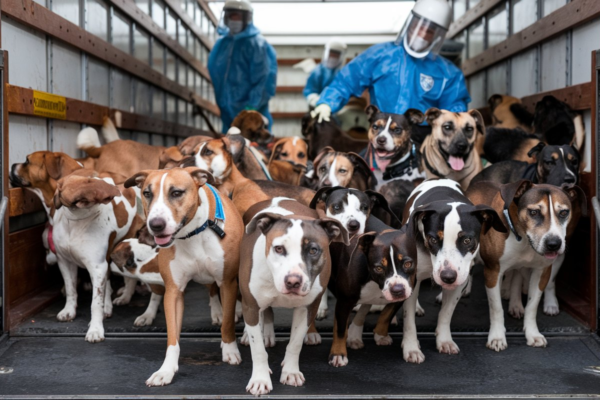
[596, 165]
[3, 193]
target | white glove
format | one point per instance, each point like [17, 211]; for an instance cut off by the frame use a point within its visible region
[312, 99]
[323, 111]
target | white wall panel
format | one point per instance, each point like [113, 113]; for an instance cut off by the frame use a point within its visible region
[554, 64]
[287, 127]
[497, 25]
[158, 13]
[143, 5]
[289, 102]
[158, 103]
[288, 76]
[67, 78]
[496, 79]
[68, 9]
[143, 98]
[477, 90]
[524, 77]
[476, 39]
[98, 82]
[585, 39]
[96, 18]
[524, 14]
[157, 140]
[158, 56]
[171, 108]
[121, 91]
[121, 32]
[551, 5]
[27, 50]
[142, 137]
[141, 45]
[125, 135]
[64, 135]
[170, 141]
[26, 135]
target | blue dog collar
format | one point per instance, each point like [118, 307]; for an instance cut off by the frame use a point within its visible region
[211, 223]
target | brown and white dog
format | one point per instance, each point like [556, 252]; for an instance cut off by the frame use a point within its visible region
[539, 217]
[285, 262]
[253, 126]
[199, 232]
[448, 151]
[288, 160]
[332, 168]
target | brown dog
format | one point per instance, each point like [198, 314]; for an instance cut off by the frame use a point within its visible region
[332, 168]
[448, 151]
[326, 133]
[288, 160]
[253, 126]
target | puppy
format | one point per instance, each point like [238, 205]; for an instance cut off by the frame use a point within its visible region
[448, 151]
[539, 217]
[391, 153]
[332, 168]
[449, 228]
[285, 262]
[199, 232]
[253, 126]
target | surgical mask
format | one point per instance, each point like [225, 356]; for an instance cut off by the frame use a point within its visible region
[419, 44]
[235, 27]
[332, 63]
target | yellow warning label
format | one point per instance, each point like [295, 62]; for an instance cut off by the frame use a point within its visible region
[49, 105]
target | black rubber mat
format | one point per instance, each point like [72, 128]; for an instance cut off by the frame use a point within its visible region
[471, 315]
[119, 367]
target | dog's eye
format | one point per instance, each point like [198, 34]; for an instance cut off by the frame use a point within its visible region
[574, 161]
[129, 262]
[313, 251]
[408, 265]
[301, 155]
[284, 154]
[447, 126]
[533, 213]
[342, 171]
[432, 240]
[322, 169]
[364, 207]
[469, 129]
[467, 241]
[279, 249]
[336, 207]
[147, 194]
[375, 127]
[563, 214]
[208, 152]
[177, 193]
[379, 270]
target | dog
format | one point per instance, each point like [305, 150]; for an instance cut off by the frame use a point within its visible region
[327, 134]
[448, 151]
[288, 161]
[378, 268]
[449, 228]
[538, 217]
[391, 154]
[508, 112]
[253, 126]
[333, 168]
[285, 262]
[217, 155]
[198, 231]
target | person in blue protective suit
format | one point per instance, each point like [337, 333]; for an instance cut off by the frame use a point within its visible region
[325, 72]
[242, 65]
[406, 73]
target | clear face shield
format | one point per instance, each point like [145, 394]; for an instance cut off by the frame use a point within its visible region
[420, 36]
[333, 58]
[235, 20]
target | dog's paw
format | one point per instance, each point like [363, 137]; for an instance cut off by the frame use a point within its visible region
[161, 377]
[536, 340]
[122, 300]
[420, 311]
[551, 305]
[497, 343]
[216, 318]
[411, 352]
[292, 378]
[447, 347]
[245, 340]
[312, 339]
[120, 290]
[516, 310]
[108, 309]
[269, 338]
[67, 314]
[231, 354]
[95, 335]
[238, 311]
[383, 340]
[354, 339]
[144, 320]
[259, 384]
[338, 361]
[321, 314]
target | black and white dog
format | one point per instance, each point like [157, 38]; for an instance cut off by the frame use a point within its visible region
[449, 226]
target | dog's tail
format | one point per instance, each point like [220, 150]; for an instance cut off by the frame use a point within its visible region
[88, 141]
[109, 131]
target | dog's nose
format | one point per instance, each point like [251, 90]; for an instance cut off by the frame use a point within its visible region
[448, 276]
[157, 224]
[398, 290]
[326, 183]
[553, 243]
[462, 145]
[569, 179]
[381, 140]
[293, 282]
[353, 225]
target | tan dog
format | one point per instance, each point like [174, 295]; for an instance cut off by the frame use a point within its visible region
[288, 160]
[253, 126]
[448, 151]
[199, 232]
[349, 170]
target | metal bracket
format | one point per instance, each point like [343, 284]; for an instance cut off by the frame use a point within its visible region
[596, 207]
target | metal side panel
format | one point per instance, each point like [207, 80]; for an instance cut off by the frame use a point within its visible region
[27, 134]
[66, 71]
[65, 137]
[98, 82]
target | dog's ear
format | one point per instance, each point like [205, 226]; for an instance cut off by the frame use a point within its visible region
[361, 165]
[137, 180]
[276, 151]
[324, 151]
[322, 195]
[371, 111]
[363, 243]
[239, 119]
[200, 176]
[56, 200]
[489, 218]
[59, 165]
[479, 124]
[378, 200]
[335, 230]
[533, 152]
[145, 237]
[577, 196]
[494, 101]
[170, 158]
[512, 192]
[432, 114]
[186, 162]
[115, 176]
[237, 145]
[414, 116]
[263, 221]
[186, 148]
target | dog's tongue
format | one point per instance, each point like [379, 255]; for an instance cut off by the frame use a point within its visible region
[382, 163]
[162, 240]
[457, 163]
[551, 255]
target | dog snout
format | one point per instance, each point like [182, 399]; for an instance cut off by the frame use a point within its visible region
[553, 243]
[398, 290]
[353, 225]
[293, 282]
[448, 276]
[157, 224]
[381, 140]
[569, 179]
[462, 146]
[326, 183]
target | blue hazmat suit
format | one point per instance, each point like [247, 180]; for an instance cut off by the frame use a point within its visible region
[243, 69]
[319, 79]
[398, 81]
